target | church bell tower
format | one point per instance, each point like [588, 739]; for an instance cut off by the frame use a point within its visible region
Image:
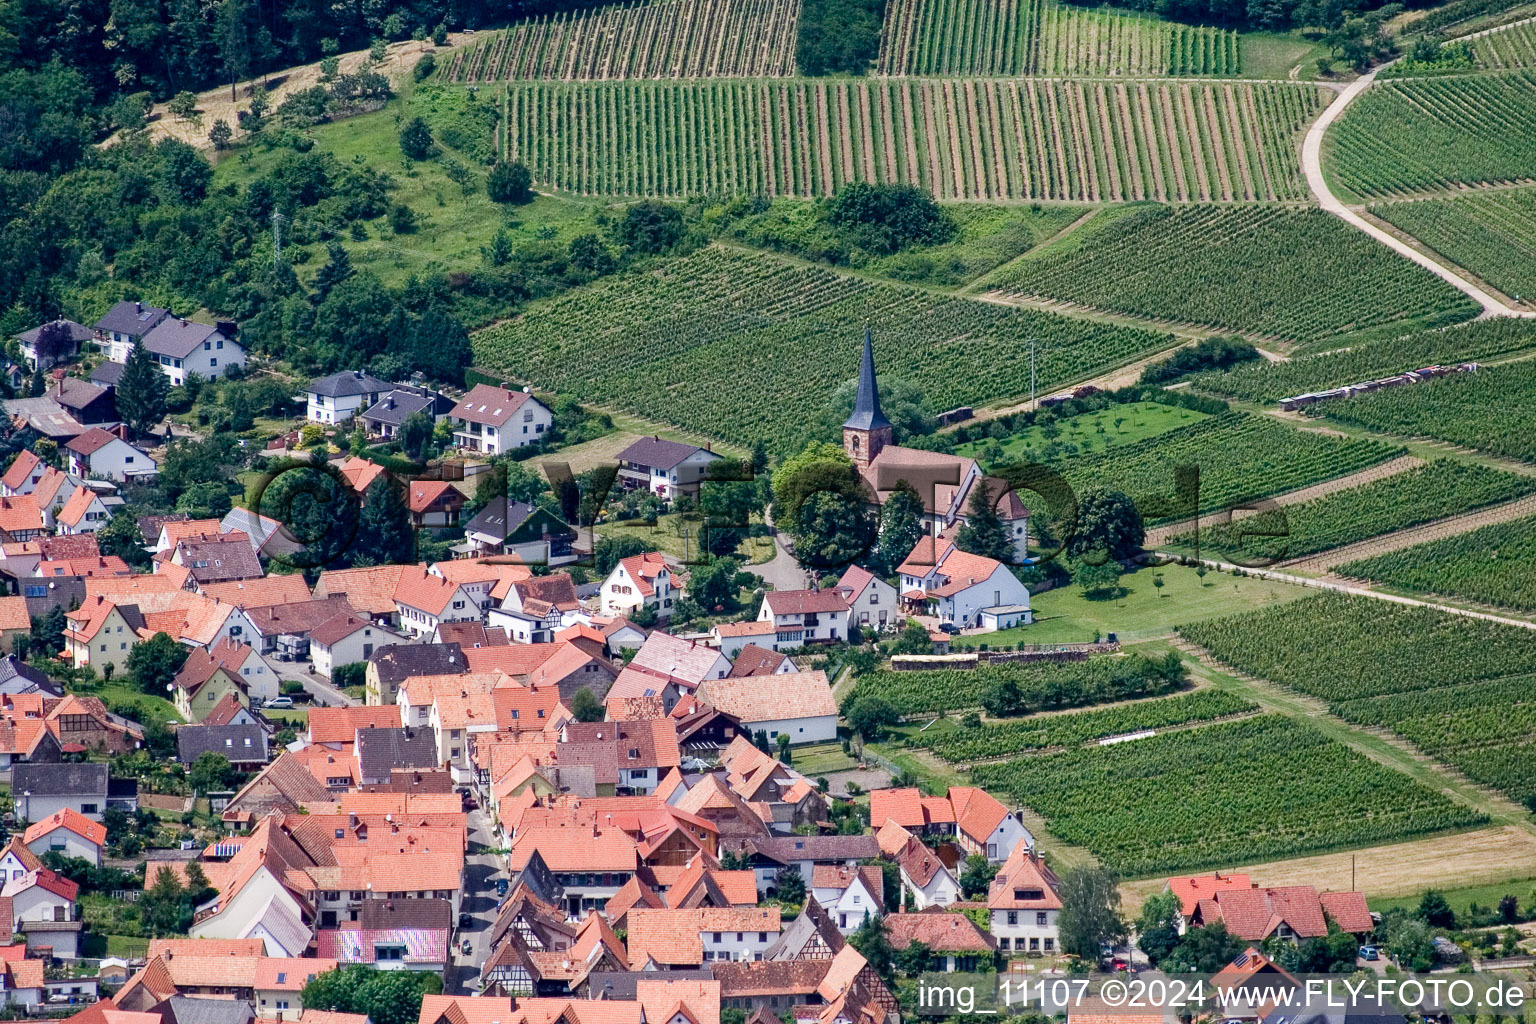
[867, 431]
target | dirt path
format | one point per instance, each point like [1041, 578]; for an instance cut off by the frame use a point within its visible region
[1450, 526]
[1311, 162]
[216, 105]
[1160, 535]
[1082, 312]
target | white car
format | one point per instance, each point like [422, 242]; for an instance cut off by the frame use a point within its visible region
[277, 702]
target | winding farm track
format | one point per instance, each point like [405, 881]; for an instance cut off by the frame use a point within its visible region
[1312, 166]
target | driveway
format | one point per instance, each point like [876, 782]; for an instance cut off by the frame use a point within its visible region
[481, 870]
[321, 692]
[783, 571]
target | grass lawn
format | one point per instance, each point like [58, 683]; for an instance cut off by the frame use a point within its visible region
[1485, 896]
[1273, 54]
[821, 758]
[157, 707]
[128, 947]
[296, 717]
[451, 227]
[1065, 615]
[678, 536]
[1090, 432]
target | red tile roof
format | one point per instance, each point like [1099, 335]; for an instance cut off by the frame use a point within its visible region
[801, 602]
[69, 819]
[942, 933]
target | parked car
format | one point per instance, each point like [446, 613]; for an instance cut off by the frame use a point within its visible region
[464, 920]
[1369, 953]
[948, 627]
[277, 702]
[466, 947]
[501, 887]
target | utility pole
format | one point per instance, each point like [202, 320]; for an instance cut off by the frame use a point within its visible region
[1032, 405]
[277, 237]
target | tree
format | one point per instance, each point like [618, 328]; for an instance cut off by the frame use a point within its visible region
[870, 940]
[651, 227]
[789, 883]
[977, 876]
[886, 218]
[206, 500]
[914, 959]
[1108, 524]
[415, 434]
[509, 183]
[901, 526]
[54, 342]
[387, 997]
[729, 497]
[142, 391]
[1411, 943]
[870, 716]
[983, 532]
[1509, 909]
[784, 754]
[713, 585]
[913, 639]
[163, 907]
[220, 134]
[153, 663]
[586, 707]
[384, 533]
[337, 268]
[1435, 911]
[47, 636]
[1203, 950]
[1090, 913]
[835, 530]
[416, 143]
[587, 252]
[183, 105]
[1158, 925]
[1002, 698]
[1097, 580]
[211, 771]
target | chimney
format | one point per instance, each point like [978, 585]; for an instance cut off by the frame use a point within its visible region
[357, 374]
[138, 307]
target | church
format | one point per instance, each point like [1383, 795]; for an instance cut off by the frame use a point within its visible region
[945, 482]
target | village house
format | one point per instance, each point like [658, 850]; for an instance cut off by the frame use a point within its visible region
[67, 338]
[537, 608]
[1255, 914]
[121, 328]
[590, 864]
[505, 527]
[426, 601]
[1023, 905]
[952, 939]
[662, 940]
[41, 790]
[799, 705]
[849, 895]
[346, 639]
[69, 834]
[640, 581]
[803, 617]
[962, 589]
[872, 602]
[383, 417]
[434, 503]
[184, 347]
[340, 396]
[499, 419]
[85, 512]
[666, 469]
[925, 879]
[245, 746]
[974, 818]
[102, 454]
[42, 907]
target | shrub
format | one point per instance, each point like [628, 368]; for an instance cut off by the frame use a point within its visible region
[509, 183]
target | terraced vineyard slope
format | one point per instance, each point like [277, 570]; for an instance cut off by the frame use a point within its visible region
[741, 346]
[1044, 37]
[1511, 47]
[1491, 233]
[1490, 410]
[1409, 136]
[1459, 688]
[1269, 382]
[987, 139]
[1495, 565]
[1298, 274]
[663, 39]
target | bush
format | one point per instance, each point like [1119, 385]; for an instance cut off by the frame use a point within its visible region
[1208, 354]
[509, 183]
[416, 140]
[352, 674]
[292, 688]
[838, 36]
[885, 219]
[402, 219]
[425, 66]
[651, 227]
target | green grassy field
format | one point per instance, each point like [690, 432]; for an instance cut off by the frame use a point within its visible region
[1066, 615]
[678, 536]
[154, 707]
[1089, 432]
[1461, 900]
[452, 227]
[1274, 54]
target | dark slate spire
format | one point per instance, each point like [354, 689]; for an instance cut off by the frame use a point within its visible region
[866, 407]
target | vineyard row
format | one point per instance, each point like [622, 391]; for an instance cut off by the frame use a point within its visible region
[960, 140]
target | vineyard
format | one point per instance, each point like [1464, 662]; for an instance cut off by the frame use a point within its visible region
[1272, 270]
[742, 346]
[1512, 47]
[1492, 233]
[665, 39]
[1240, 458]
[1268, 382]
[1419, 671]
[1496, 565]
[1490, 410]
[1042, 733]
[1044, 37]
[1415, 135]
[1042, 685]
[1259, 788]
[1432, 491]
[963, 140]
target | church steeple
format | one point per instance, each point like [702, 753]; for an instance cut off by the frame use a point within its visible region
[867, 430]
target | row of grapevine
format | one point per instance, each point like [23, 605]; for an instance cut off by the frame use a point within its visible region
[1412, 136]
[1268, 382]
[1491, 233]
[1045, 37]
[1460, 688]
[1495, 565]
[742, 346]
[962, 140]
[1272, 270]
[1432, 491]
[1511, 47]
[1259, 788]
[1241, 458]
[1490, 410]
[647, 39]
[993, 741]
[1039, 685]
